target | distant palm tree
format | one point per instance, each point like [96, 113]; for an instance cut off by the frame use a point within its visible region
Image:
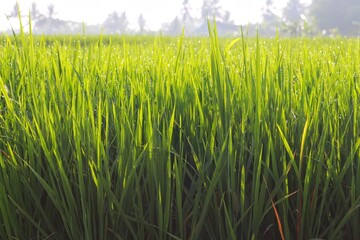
[141, 22]
[51, 11]
[186, 11]
[115, 23]
[34, 12]
[15, 12]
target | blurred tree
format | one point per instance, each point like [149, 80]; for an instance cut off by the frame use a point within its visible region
[205, 9]
[337, 16]
[142, 23]
[294, 11]
[271, 22]
[175, 27]
[48, 24]
[35, 13]
[115, 23]
[267, 13]
[186, 9]
[124, 23]
[294, 14]
[51, 11]
[111, 22]
[15, 12]
[227, 18]
[210, 9]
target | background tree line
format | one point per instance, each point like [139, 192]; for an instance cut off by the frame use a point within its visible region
[321, 17]
[329, 17]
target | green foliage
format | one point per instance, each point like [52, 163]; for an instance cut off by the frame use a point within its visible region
[189, 138]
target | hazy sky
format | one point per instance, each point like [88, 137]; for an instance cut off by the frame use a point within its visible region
[155, 12]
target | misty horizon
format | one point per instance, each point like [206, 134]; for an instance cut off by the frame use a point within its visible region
[290, 17]
[241, 13]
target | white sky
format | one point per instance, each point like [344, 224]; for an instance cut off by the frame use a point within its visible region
[155, 12]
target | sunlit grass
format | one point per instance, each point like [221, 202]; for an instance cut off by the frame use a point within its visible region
[179, 138]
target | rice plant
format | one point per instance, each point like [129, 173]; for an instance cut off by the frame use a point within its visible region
[179, 138]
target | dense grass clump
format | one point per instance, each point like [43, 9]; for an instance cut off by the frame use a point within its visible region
[163, 138]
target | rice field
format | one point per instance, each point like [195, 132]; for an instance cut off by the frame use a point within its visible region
[179, 138]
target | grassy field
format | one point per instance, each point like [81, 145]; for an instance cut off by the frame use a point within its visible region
[179, 138]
